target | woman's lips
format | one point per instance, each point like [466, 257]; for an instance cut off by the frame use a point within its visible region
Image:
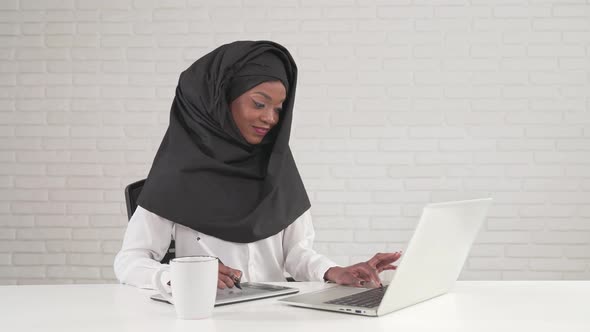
[261, 131]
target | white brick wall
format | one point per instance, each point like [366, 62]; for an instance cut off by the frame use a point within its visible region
[400, 103]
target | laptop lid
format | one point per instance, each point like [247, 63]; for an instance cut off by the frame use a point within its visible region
[436, 253]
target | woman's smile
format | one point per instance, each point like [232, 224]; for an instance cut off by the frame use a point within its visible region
[260, 130]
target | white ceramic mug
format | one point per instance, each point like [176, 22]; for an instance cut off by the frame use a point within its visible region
[194, 285]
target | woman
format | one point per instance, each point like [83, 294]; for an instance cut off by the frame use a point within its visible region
[224, 179]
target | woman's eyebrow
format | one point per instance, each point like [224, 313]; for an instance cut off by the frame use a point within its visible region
[266, 96]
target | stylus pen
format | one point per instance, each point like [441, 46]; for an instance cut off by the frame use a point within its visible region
[208, 251]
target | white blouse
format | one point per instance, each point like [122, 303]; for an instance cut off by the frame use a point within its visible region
[148, 236]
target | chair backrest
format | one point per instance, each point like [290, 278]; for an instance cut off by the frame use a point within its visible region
[132, 192]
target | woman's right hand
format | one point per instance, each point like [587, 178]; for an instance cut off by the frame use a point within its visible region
[227, 277]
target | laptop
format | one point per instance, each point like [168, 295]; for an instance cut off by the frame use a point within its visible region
[250, 291]
[429, 267]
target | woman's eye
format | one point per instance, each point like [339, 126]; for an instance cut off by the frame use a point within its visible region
[258, 105]
[278, 110]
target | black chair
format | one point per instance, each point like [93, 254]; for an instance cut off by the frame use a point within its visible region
[132, 192]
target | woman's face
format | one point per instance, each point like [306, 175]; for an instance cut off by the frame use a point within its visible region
[257, 110]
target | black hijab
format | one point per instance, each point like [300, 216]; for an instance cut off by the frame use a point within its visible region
[205, 175]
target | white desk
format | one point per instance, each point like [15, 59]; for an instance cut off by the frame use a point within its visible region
[471, 306]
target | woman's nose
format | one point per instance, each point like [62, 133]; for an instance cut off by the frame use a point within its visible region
[270, 116]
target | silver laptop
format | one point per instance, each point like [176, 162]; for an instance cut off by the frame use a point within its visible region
[428, 268]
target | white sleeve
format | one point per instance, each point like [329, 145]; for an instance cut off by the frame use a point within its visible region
[301, 261]
[145, 243]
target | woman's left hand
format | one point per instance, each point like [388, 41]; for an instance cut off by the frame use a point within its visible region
[364, 273]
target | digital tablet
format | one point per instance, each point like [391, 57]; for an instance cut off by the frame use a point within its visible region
[250, 291]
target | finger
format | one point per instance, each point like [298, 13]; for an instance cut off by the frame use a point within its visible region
[373, 261]
[389, 260]
[376, 259]
[374, 276]
[224, 269]
[220, 284]
[232, 273]
[359, 283]
[371, 273]
[237, 274]
[387, 267]
[226, 280]
[381, 259]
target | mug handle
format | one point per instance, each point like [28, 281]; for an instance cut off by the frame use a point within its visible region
[157, 282]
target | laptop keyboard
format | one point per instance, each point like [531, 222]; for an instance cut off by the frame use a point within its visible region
[369, 299]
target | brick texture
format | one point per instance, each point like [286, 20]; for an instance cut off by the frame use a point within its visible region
[400, 103]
